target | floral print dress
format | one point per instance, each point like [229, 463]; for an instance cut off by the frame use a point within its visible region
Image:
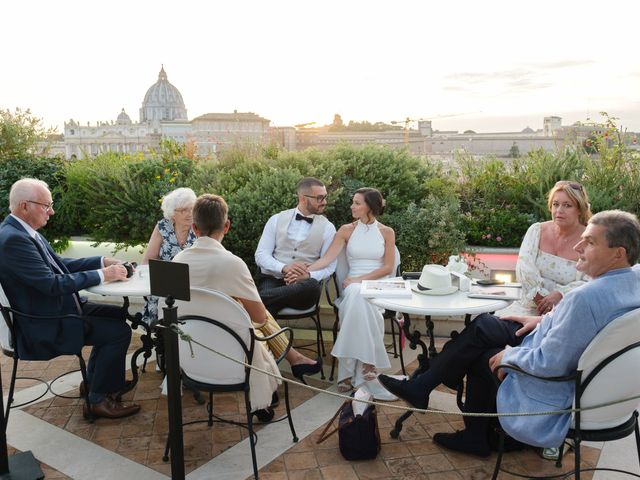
[541, 272]
[168, 249]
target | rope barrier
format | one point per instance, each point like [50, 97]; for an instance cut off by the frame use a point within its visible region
[187, 338]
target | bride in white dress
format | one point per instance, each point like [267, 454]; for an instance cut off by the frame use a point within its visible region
[371, 255]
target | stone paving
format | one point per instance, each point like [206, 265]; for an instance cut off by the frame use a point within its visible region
[141, 438]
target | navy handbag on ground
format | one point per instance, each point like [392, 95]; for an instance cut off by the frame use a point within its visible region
[358, 436]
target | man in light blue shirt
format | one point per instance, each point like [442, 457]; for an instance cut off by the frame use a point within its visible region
[609, 246]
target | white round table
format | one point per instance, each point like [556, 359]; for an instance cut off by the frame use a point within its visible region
[428, 305]
[453, 304]
[135, 286]
[419, 304]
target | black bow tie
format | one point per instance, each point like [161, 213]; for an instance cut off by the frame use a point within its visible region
[302, 217]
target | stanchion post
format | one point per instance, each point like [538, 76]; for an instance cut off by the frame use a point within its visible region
[4, 459]
[172, 363]
[24, 465]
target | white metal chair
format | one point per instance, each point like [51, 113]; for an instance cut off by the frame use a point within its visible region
[607, 372]
[219, 322]
[342, 270]
[8, 346]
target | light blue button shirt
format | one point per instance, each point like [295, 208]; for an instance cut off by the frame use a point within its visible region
[554, 348]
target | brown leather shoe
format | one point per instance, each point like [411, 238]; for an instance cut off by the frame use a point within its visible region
[83, 392]
[109, 408]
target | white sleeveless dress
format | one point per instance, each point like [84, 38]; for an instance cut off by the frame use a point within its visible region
[361, 335]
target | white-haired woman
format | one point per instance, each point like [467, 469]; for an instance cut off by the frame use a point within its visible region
[170, 236]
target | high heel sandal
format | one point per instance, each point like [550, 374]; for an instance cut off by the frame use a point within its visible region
[369, 375]
[302, 369]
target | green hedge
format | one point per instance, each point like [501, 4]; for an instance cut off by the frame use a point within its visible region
[434, 208]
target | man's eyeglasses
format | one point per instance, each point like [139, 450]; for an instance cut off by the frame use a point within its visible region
[47, 206]
[318, 198]
[574, 185]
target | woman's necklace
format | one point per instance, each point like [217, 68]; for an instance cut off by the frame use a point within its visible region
[182, 237]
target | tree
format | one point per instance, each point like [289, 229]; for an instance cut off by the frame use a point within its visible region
[21, 134]
[514, 151]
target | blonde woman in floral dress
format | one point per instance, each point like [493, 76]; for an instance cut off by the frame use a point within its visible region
[546, 265]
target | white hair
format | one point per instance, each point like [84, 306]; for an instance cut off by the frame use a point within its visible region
[178, 198]
[23, 190]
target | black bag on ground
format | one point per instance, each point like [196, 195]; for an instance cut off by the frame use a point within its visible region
[358, 436]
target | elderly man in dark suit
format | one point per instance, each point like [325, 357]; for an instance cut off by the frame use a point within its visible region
[39, 282]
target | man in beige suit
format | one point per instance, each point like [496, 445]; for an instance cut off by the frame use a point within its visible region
[213, 266]
[290, 240]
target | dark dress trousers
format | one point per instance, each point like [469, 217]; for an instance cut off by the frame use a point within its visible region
[34, 286]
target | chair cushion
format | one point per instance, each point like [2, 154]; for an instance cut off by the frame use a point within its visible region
[618, 379]
[294, 311]
[5, 333]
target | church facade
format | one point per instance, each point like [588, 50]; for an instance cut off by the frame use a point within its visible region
[163, 115]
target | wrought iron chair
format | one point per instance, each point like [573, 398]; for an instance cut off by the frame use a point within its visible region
[314, 314]
[218, 321]
[607, 372]
[8, 346]
[342, 270]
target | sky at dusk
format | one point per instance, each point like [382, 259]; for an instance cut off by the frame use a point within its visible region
[486, 66]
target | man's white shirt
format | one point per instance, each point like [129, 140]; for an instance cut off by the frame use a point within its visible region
[297, 231]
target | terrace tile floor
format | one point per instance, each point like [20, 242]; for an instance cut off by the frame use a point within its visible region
[69, 447]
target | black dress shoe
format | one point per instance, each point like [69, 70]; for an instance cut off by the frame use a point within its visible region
[264, 414]
[275, 400]
[510, 444]
[402, 390]
[306, 369]
[109, 408]
[463, 441]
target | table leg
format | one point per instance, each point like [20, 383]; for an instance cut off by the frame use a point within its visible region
[146, 348]
[423, 363]
[432, 342]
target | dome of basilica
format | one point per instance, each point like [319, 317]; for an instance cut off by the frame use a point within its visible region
[162, 102]
[123, 118]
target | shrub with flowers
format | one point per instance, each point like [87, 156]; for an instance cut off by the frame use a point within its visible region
[496, 227]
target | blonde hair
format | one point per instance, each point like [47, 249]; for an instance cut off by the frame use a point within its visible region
[577, 193]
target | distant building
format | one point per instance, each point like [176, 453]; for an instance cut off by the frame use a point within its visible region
[426, 141]
[445, 144]
[214, 132]
[162, 114]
